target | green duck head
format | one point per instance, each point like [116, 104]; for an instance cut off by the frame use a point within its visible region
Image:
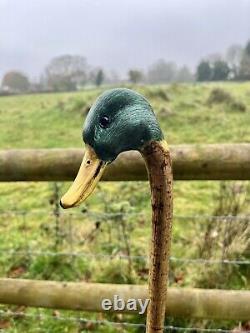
[119, 120]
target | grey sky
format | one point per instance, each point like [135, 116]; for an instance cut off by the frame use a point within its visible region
[118, 34]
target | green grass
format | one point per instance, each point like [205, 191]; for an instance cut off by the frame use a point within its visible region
[186, 115]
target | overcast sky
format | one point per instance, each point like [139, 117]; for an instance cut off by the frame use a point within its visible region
[118, 34]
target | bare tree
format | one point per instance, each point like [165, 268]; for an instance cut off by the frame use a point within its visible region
[184, 75]
[112, 77]
[213, 57]
[162, 71]
[234, 56]
[66, 72]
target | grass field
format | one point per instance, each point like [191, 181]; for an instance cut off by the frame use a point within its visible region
[188, 113]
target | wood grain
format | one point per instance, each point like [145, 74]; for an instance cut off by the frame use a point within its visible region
[159, 166]
[181, 302]
[190, 162]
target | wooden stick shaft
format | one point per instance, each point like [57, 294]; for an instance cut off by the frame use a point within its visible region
[158, 162]
[190, 162]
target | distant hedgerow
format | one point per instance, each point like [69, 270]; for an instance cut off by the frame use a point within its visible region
[220, 96]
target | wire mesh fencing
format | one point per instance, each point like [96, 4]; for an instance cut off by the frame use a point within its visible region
[78, 245]
[140, 327]
[64, 228]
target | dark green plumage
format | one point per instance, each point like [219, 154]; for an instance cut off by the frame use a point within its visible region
[120, 120]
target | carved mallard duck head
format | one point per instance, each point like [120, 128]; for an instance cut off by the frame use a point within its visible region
[120, 120]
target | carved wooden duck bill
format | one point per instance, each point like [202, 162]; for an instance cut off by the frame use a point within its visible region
[122, 120]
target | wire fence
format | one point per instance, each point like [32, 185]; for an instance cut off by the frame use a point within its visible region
[119, 217]
[82, 320]
[218, 218]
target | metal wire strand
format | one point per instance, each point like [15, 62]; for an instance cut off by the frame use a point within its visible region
[221, 218]
[168, 328]
[199, 261]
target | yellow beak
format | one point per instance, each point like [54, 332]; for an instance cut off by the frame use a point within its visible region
[86, 180]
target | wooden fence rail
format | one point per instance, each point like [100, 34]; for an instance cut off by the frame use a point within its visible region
[190, 162]
[182, 302]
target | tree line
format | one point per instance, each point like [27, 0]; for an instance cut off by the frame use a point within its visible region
[72, 72]
[234, 65]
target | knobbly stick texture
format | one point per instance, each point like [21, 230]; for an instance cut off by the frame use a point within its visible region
[158, 162]
[190, 162]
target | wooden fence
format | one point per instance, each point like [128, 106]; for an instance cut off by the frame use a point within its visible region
[190, 162]
[182, 302]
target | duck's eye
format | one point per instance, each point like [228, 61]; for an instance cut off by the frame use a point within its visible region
[104, 121]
